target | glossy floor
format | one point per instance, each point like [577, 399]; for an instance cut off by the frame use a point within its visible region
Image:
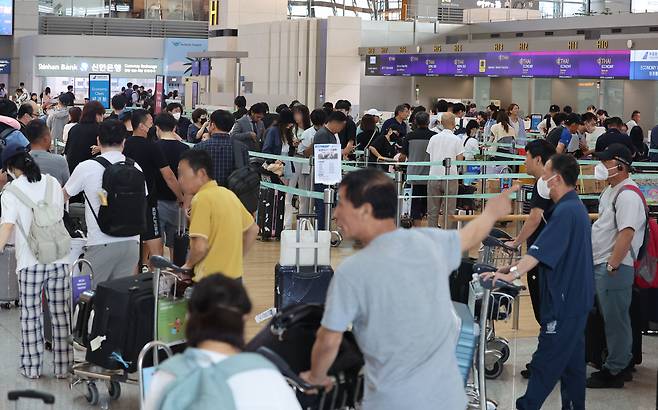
[259, 268]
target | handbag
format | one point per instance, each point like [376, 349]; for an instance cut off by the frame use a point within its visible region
[305, 246]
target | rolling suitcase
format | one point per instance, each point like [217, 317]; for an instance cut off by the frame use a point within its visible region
[122, 323]
[460, 279]
[81, 315]
[467, 341]
[271, 208]
[299, 284]
[181, 240]
[8, 278]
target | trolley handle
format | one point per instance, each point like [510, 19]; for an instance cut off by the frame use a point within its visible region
[287, 372]
[497, 243]
[31, 394]
[161, 262]
[488, 283]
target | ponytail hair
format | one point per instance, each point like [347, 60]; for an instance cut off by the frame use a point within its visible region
[216, 311]
[27, 165]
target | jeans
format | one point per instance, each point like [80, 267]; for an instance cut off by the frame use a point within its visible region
[615, 293]
[319, 207]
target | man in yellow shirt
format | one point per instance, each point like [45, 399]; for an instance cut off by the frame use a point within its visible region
[221, 230]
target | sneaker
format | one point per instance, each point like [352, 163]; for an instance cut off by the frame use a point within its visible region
[627, 373]
[605, 380]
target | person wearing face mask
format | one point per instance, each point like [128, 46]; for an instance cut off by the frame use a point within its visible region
[538, 152]
[151, 158]
[592, 130]
[562, 253]
[176, 109]
[617, 237]
[198, 130]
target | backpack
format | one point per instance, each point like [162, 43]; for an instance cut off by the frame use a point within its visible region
[205, 388]
[554, 135]
[47, 238]
[10, 134]
[124, 213]
[646, 261]
[245, 184]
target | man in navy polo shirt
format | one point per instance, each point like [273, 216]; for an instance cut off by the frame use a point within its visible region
[563, 253]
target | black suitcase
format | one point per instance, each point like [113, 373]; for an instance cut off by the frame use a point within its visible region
[291, 335]
[123, 314]
[80, 321]
[181, 240]
[460, 279]
[271, 208]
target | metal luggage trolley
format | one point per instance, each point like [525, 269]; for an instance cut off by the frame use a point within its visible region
[503, 302]
[481, 290]
[89, 374]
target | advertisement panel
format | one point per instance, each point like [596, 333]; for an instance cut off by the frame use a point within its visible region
[99, 89]
[159, 93]
[5, 66]
[6, 17]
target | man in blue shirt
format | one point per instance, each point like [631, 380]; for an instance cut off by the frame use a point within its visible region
[397, 123]
[563, 252]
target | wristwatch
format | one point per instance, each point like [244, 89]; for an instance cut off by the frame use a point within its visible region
[515, 270]
[610, 268]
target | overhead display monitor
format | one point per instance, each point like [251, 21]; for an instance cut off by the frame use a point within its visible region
[6, 17]
[644, 65]
[204, 67]
[100, 88]
[534, 64]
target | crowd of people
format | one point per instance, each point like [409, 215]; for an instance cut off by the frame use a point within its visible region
[175, 164]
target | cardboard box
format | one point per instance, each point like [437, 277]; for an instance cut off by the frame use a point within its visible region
[590, 186]
[493, 186]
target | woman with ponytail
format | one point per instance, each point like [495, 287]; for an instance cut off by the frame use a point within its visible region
[214, 361]
[29, 187]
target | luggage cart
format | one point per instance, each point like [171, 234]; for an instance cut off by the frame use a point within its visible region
[88, 374]
[503, 302]
[145, 373]
[482, 290]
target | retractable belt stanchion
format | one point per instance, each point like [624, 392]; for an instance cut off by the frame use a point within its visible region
[328, 202]
[310, 200]
[399, 182]
[446, 217]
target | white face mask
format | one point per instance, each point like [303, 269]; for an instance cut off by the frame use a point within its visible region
[602, 173]
[11, 174]
[543, 189]
[177, 116]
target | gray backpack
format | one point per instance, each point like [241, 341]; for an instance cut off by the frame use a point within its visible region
[48, 238]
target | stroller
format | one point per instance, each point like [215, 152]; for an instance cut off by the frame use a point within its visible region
[496, 254]
[287, 342]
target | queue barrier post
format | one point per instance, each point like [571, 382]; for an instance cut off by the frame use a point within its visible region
[447, 162]
[328, 203]
[399, 183]
[312, 184]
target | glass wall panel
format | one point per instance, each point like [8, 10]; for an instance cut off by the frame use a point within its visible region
[613, 97]
[588, 94]
[141, 9]
[542, 96]
[521, 94]
[482, 92]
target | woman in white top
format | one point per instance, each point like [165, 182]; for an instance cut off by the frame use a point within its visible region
[34, 277]
[517, 122]
[470, 140]
[217, 311]
[74, 117]
[502, 133]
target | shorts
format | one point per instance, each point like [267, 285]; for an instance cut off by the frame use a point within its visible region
[418, 205]
[152, 223]
[168, 216]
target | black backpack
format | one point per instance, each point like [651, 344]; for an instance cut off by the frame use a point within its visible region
[125, 212]
[554, 135]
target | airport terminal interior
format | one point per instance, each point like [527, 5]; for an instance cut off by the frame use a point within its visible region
[329, 204]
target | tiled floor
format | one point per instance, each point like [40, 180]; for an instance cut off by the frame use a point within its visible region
[638, 395]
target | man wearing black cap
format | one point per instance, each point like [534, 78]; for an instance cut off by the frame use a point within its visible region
[614, 136]
[617, 237]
